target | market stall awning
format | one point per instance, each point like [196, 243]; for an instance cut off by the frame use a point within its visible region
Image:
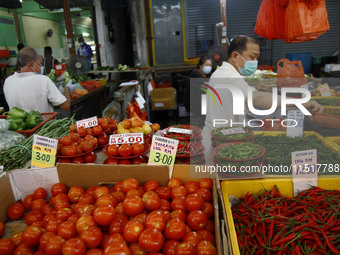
[57, 4]
[10, 4]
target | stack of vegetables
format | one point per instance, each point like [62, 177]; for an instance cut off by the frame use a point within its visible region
[21, 120]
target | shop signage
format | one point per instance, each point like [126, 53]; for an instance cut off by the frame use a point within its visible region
[126, 138]
[86, 123]
[44, 151]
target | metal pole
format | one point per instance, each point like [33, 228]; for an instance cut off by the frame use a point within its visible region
[224, 39]
[68, 23]
[17, 25]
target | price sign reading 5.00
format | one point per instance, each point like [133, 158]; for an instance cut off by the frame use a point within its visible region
[86, 123]
[126, 138]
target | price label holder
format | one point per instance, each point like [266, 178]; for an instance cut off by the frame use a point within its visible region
[126, 138]
[180, 130]
[163, 152]
[324, 90]
[86, 123]
[44, 151]
[231, 131]
[304, 170]
[295, 123]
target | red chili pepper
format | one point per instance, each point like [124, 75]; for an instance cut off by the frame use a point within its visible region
[297, 250]
[302, 226]
[329, 244]
[288, 238]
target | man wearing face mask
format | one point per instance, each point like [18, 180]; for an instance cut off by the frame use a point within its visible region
[85, 50]
[242, 61]
[29, 90]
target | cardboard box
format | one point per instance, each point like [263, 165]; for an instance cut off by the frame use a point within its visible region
[163, 98]
[88, 175]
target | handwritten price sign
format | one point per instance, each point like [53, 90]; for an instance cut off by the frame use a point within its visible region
[126, 138]
[86, 123]
[43, 151]
[180, 131]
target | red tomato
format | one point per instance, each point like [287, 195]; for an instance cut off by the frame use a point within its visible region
[113, 124]
[164, 192]
[99, 191]
[23, 249]
[207, 236]
[104, 124]
[85, 222]
[129, 183]
[15, 211]
[138, 160]
[125, 150]
[119, 209]
[118, 186]
[151, 201]
[124, 162]
[118, 195]
[81, 131]
[137, 148]
[74, 218]
[197, 220]
[155, 220]
[186, 248]
[133, 205]
[87, 198]
[117, 249]
[32, 216]
[205, 194]
[27, 203]
[39, 252]
[47, 209]
[94, 252]
[103, 139]
[38, 224]
[178, 191]
[112, 150]
[90, 157]
[66, 140]
[170, 246]
[53, 225]
[73, 128]
[208, 209]
[175, 229]
[44, 239]
[180, 214]
[38, 204]
[39, 193]
[91, 190]
[92, 237]
[117, 226]
[74, 193]
[16, 238]
[174, 181]
[64, 160]
[178, 203]
[112, 239]
[86, 145]
[67, 230]
[191, 186]
[70, 150]
[47, 219]
[193, 238]
[194, 202]
[107, 199]
[206, 248]
[54, 245]
[151, 185]
[2, 228]
[132, 231]
[7, 246]
[78, 160]
[111, 161]
[206, 183]
[135, 249]
[58, 188]
[151, 240]
[74, 246]
[165, 205]
[97, 130]
[140, 217]
[104, 214]
[31, 236]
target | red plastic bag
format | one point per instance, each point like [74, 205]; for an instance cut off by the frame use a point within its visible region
[270, 22]
[290, 74]
[133, 110]
[305, 20]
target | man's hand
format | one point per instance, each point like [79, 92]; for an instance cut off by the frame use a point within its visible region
[313, 107]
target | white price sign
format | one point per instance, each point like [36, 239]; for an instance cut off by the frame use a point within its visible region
[304, 170]
[126, 138]
[180, 131]
[86, 123]
[230, 131]
[295, 123]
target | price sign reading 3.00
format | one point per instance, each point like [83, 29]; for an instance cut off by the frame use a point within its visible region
[43, 151]
[126, 138]
[86, 123]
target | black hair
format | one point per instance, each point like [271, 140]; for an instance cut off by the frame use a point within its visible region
[20, 46]
[239, 44]
[48, 49]
[27, 55]
[202, 60]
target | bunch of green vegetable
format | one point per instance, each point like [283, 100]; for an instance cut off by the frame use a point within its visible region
[53, 76]
[75, 77]
[239, 151]
[331, 101]
[20, 119]
[17, 156]
[123, 67]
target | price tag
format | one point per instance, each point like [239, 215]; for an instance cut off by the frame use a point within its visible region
[86, 123]
[230, 131]
[163, 152]
[304, 170]
[324, 90]
[44, 150]
[295, 123]
[180, 130]
[126, 138]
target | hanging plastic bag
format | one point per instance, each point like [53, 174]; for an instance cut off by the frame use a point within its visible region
[305, 20]
[270, 22]
[133, 110]
[290, 73]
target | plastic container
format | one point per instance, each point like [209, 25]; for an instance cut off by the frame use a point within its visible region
[191, 61]
[239, 188]
[304, 57]
[46, 116]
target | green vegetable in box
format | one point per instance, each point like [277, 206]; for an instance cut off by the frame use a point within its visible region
[20, 120]
[16, 124]
[33, 119]
[240, 151]
[328, 101]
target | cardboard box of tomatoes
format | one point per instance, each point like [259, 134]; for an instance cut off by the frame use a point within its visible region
[86, 176]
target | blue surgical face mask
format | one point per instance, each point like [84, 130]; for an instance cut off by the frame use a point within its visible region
[81, 43]
[249, 68]
[42, 70]
[207, 69]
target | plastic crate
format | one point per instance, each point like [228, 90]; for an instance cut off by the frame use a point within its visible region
[329, 109]
[46, 116]
[239, 188]
[327, 120]
[191, 61]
